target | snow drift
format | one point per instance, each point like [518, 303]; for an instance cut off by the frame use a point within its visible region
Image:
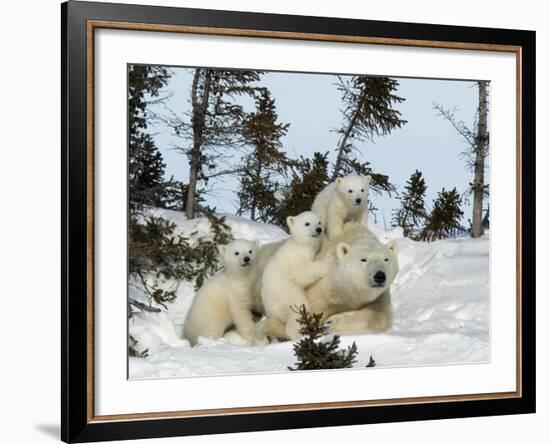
[440, 299]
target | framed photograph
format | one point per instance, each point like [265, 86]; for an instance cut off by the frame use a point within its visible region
[275, 221]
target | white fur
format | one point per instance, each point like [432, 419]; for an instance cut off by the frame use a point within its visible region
[289, 271]
[264, 253]
[345, 200]
[226, 299]
[348, 296]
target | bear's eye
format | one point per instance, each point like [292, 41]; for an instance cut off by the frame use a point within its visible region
[307, 224]
[364, 259]
[362, 191]
[236, 253]
[250, 252]
[386, 260]
[350, 191]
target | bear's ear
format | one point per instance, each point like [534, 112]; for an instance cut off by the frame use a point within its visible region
[338, 180]
[221, 249]
[290, 221]
[256, 243]
[341, 250]
[368, 179]
[392, 245]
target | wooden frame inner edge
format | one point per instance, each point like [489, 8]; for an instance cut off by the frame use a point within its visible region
[90, 28]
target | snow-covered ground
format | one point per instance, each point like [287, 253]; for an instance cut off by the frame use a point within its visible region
[440, 299]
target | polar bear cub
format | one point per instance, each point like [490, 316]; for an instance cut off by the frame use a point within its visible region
[345, 200]
[226, 298]
[290, 271]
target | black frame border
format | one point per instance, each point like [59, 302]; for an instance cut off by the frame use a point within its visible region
[75, 424]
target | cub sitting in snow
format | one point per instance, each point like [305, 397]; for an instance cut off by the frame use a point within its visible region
[226, 298]
[345, 200]
[290, 271]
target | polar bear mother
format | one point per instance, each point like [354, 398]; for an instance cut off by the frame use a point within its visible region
[354, 296]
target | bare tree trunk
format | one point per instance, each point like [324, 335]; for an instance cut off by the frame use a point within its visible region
[191, 190]
[257, 178]
[480, 152]
[342, 145]
[199, 120]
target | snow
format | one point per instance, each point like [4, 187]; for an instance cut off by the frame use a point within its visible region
[440, 298]
[241, 228]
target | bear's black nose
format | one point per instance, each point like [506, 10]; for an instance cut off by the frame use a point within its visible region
[319, 230]
[358, 201]
[380, 277]
[246, 259]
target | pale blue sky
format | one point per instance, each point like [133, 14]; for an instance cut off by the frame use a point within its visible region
[311, 104]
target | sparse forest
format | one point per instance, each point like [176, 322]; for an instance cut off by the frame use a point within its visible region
[230, 140]
[232, 129]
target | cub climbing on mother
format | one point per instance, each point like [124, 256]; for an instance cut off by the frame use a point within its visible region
[344, 200]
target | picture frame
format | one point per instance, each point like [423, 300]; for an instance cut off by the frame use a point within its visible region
[80, 20]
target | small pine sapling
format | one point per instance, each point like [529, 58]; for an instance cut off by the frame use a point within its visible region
[372, 362]
[412, 212]
[314, 353]
[444, 219]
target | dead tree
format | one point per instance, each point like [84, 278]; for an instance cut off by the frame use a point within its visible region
[477, 139]
[480, 153]
[198, 122]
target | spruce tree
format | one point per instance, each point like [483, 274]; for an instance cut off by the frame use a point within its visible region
[175, 195]
[146, 173]
[266, 164]
[368, 112]
[145, 184]
[379, 182]
[314, 353]
[412, 212]
[214, 128]
[155, 251]
[146, 166]
[308, 177]
[444, 219]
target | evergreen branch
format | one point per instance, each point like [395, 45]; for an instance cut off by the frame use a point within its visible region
[312, 351]
[143, 307]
